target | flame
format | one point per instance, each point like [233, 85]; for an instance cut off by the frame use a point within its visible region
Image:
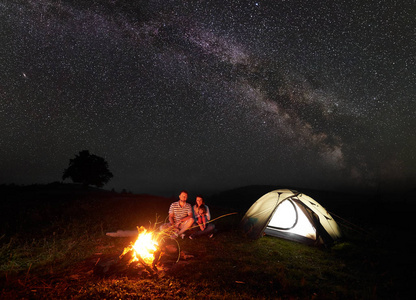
[144, 247]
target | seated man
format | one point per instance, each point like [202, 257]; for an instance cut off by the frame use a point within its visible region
[180, 215]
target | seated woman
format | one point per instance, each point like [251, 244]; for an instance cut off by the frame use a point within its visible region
[202, 216]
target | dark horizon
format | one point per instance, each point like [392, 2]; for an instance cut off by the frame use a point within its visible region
[237, 190]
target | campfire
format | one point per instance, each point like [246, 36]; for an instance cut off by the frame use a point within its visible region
[144, 248]
[152, 253]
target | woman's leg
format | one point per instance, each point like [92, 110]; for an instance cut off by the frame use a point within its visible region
[208, 230]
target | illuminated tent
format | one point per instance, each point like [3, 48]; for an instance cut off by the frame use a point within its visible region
[290, 215]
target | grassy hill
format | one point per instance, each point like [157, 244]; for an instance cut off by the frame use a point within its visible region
[53, 236]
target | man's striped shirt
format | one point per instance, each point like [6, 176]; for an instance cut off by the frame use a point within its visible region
[180, 212]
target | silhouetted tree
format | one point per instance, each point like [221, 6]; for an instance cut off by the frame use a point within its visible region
[88, 169]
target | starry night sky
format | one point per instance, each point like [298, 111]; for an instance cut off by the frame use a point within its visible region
[210, 95]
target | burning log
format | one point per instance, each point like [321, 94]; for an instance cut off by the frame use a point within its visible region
[134, 262]
[148, 269]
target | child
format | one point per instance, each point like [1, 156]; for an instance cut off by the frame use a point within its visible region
[202, 218]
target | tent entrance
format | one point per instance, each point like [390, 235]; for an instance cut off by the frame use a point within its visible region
[290, 221]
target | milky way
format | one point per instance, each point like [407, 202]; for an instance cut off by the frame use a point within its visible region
[210, 95]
